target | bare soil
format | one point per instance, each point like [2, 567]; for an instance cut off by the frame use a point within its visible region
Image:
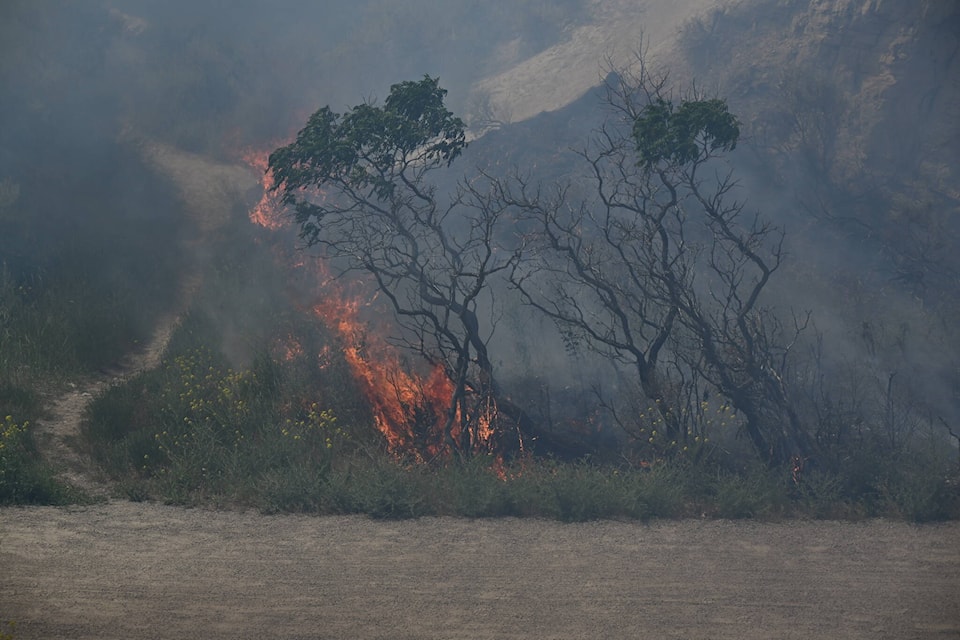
[130, 571]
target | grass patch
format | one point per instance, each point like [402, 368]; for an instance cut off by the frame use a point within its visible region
[70, 324]
[24, 479]
[197, 430]
[755, 493]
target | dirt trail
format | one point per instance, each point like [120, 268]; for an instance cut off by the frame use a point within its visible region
[58, 435]
[209, 191]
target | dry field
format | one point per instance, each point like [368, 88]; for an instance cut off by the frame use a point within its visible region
[129, 571]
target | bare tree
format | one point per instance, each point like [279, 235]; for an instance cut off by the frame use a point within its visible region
[661, 267]
[360, 184]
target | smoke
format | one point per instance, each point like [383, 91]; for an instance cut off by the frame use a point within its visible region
[124, 123]
[850, 154]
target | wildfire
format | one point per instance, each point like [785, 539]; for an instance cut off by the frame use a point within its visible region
[409, 409]
[268, 212]
[289, 349]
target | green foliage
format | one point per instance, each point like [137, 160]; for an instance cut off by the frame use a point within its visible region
[663, 491]
[683, 134]
[912, 486]
[873, 480]
[198, 428]
[57, 327]
[386, 488]
[481, 488]
[917, 495]
[754, 493]
[474, 490]
[583, 493]
[18, 399]
[23, 478]
[297, 488]
[366, 150]
[823, 495]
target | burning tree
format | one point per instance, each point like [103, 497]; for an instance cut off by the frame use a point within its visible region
[661, 268]
[363, 189]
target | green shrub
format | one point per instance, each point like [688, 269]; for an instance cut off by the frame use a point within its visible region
[917, 493]
[18, 399]
[474, 489]
[23, 478]
[662, 491]
[71, 319]
[823, 495]
[873, 480]
[198, 429]
[754, 493]
[385, 488]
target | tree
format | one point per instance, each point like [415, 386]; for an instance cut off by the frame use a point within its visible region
[661, 268]
[361, 186]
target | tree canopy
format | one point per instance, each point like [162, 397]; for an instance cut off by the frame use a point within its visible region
[686, 133]
[366, 149]
[659, 270]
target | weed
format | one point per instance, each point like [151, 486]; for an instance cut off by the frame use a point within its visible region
[755, 493]
[23, 478]
[198, 429]
[473, 488]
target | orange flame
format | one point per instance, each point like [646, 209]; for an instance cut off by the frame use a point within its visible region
[268, 212]
[289, 349]
[409, 409]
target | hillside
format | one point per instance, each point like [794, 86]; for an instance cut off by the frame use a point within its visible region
[126, 187]
[561, 74]
[851, 142]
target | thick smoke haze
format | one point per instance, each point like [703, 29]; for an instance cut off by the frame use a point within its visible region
[124, 125]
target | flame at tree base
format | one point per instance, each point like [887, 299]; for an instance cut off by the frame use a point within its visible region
[409, 409]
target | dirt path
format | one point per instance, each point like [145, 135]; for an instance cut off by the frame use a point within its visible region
[209, 191]
[131, 571]
[58, 434]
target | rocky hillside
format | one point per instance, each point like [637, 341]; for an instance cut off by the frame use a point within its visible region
[859, 87]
